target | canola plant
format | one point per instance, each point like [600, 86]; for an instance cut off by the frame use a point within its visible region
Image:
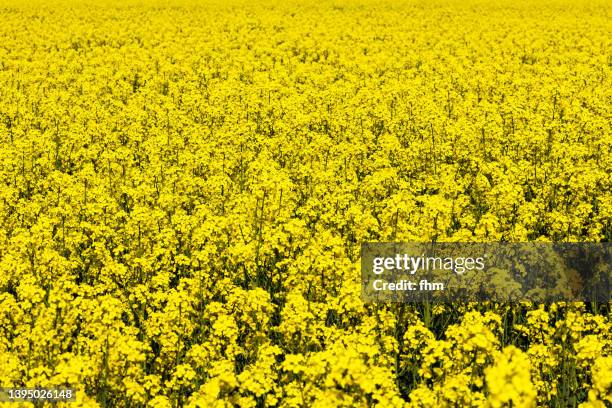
[185, 187]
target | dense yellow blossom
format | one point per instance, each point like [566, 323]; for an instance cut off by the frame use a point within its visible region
[185, 186]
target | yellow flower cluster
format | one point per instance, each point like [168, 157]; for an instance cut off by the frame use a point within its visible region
[185, 186]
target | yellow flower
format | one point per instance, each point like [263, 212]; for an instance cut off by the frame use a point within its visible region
[509, 380]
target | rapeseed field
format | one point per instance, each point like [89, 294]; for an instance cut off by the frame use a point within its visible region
[185, 187]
